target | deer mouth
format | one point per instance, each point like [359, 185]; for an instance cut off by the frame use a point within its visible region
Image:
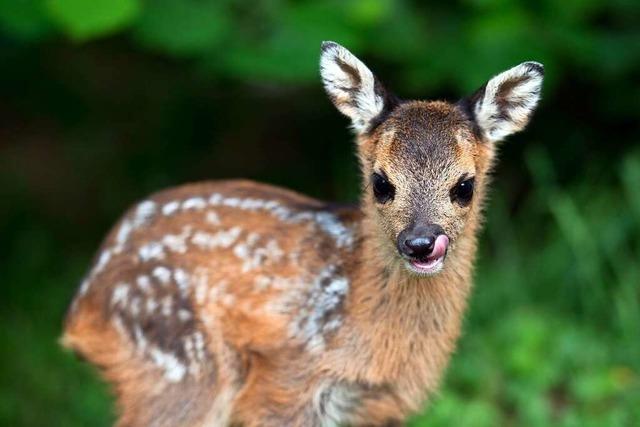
[434, 262]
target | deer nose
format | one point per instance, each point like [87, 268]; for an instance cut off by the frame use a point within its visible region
[418, 242]
[420, 246]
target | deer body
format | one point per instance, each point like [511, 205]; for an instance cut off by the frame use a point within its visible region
[237, 303]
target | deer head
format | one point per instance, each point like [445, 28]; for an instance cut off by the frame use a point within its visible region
[425, 163]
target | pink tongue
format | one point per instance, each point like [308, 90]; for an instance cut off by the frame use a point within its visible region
[439, 248]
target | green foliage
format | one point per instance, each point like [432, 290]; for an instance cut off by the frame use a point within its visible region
[87, 19]
[182, 27]
[24, 19]
[278, 40]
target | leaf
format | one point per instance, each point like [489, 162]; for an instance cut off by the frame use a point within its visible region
[290, 50]
[25, 19]
[182, 27]
[86, 19]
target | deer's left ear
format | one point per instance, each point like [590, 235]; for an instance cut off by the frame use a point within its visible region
[505, 103]
[352, 87]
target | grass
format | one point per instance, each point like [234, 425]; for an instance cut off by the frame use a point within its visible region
[551, 339]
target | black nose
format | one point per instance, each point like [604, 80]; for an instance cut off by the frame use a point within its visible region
[420, 246]
[418, 241]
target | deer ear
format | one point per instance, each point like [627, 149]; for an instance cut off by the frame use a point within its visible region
[505, 103]
[352, 87]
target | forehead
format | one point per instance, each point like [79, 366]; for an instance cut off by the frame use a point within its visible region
[426, 134]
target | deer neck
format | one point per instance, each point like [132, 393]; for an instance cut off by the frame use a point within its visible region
[382, 282]
[403, 322]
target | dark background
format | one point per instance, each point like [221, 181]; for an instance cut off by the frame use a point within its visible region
[105, 101]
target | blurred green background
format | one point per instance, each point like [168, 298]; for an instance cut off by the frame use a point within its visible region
[105, 101]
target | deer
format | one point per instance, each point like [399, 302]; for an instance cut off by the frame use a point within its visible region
[238, 303]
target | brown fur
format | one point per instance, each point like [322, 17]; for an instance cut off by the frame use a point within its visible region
[394, 344]
[304, 313]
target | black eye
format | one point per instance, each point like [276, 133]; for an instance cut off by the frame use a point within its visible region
[383, 190]
[462, 192]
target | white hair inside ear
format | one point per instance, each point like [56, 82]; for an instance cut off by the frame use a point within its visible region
[506, 103]
[350, 85]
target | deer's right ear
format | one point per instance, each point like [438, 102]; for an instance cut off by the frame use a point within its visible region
[352, 87]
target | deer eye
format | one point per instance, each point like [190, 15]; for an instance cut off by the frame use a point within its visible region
[462, 192]
[383, 190]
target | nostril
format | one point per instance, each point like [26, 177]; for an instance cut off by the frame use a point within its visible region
[422, 241]
[420, 246]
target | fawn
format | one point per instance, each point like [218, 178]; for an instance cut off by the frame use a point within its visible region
[238, 303]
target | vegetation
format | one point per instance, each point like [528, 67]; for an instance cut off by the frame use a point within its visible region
[105, 101]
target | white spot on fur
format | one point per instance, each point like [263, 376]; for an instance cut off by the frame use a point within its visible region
[332, 325]
[103, 260]
[174, 371]
[271, 204]
[151, 251]
[123, 232]
[182, 280]
[326, 221]
[170, 208]
[84, 287]
[213, 218]
[177, 242]
[333, 227]
[166, 306]
[254, 257]
[325, 295]
[120, 295]
[198, 339]
[134, 306]
[217, 291]
[273, 250]
[118, 324]
[184, 315]
[251, 204]
[201, 289]
[140, 339]
[144, 213]
[151, 305]
[194, 348]
[194, 367]
[232, 202]
[163, 274]
[220, 239]
[144, 283]
[215, 199]
[196, 203]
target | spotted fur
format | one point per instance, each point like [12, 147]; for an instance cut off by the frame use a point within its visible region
[237, 303]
